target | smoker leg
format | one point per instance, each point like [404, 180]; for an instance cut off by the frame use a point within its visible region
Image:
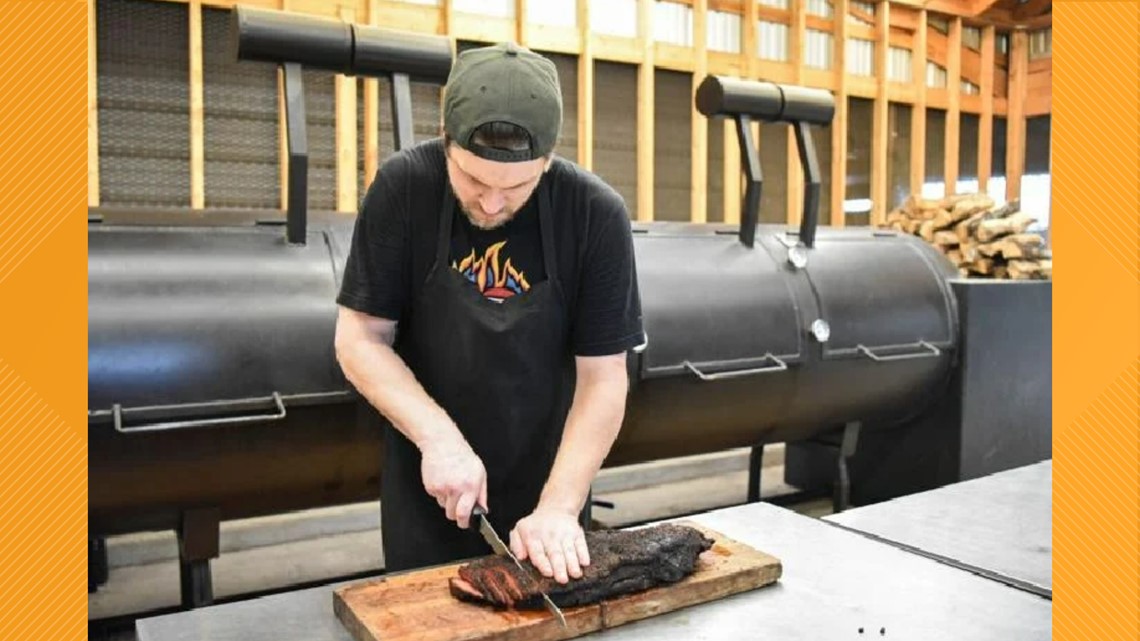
[197, 544]
[97, 567]
[842, 498]
[755, 465]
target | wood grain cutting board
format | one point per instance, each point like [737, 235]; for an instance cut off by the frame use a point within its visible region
[418, 605]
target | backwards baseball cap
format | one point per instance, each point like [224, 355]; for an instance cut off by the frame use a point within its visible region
[503, 83]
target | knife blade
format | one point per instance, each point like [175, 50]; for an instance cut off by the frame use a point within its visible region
[496, 543]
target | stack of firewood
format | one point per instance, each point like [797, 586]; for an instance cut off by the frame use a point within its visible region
[983, 240]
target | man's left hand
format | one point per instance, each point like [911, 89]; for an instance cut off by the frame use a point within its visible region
[554, 542]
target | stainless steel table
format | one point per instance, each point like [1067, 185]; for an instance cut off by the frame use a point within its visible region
[998, 525]
[834, 583]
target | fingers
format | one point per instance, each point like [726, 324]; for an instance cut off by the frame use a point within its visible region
[451, 503]
[537, 553]
[582, 550]
[518, 548]
[463, 509]
[483, 493]
[570, 554]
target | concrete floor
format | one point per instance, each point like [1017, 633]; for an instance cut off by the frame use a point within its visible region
[277, 552]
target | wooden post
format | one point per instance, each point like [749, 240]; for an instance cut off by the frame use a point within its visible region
[521, 11]
[986, 120]
[796, 37]
[371, 112]
[197, 127]
[879, 123]
[1015, 136]
[645, 124]
[585, 88]
[92, 111]
[839, 123]
[918, 113]
[954, 101]
[698, 201]
[346, 190]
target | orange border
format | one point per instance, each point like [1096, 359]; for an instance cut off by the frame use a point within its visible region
[1096, 170]
[43, 343]
[1096, 319]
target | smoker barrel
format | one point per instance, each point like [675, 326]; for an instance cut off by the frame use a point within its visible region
[320, 43]
[727, 95]
[215, 346]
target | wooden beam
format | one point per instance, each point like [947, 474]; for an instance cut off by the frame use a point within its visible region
[446, 16]
[1015, 130]
[986, 120]
[585, 88]
[879, 123]
[953, 109]
[346, 167]
[698, 204]
[1032, 9]
[371, 112]
[197, 127]
[645, 124]
[839, 122]
[795, 183]
[522, 11]
[92, 110]
[918, 113]
[282, 142]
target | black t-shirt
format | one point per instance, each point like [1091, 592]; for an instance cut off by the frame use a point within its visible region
[394, 245]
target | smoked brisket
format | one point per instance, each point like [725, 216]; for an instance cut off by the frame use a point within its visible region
[622, 562]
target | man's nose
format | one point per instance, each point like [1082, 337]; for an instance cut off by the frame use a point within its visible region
[492, 202]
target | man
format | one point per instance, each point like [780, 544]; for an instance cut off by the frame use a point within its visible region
[488, 302]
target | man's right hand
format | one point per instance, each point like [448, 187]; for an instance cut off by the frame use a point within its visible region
[455, 477]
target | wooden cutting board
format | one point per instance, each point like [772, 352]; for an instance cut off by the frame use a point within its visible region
[418, 605]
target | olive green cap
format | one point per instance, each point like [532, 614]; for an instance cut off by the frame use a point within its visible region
[503, 83]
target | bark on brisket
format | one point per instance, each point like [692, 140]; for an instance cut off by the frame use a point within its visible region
[622, 562]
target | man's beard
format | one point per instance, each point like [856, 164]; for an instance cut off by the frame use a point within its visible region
[499, 221]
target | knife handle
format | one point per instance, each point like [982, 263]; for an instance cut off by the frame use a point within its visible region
[476, 512]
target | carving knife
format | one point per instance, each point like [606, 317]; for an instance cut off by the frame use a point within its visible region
[496, 543]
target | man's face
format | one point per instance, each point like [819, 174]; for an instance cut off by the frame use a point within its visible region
[491, 193]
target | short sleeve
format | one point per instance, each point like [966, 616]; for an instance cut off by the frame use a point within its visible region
[608, 315]
[377, 271]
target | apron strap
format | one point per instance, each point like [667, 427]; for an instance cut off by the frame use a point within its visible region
[546, 231]
[443, 243]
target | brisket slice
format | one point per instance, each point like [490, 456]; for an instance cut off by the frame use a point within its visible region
[622, 562]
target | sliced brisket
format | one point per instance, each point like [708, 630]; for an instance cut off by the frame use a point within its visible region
[622, 562]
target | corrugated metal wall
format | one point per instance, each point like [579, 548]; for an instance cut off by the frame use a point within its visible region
[859, 114]
[144, 103]
[567, 67]
[715, 182]
[898, 154]
[968, 147]
[615, 129]
[672, 162]
[774, 166]
[936, 147]
[239, 102]
[425, 122]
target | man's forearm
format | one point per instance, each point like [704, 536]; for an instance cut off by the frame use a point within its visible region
[382, 377]
[591, 427]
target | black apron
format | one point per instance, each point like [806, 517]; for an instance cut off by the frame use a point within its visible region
[504, 373]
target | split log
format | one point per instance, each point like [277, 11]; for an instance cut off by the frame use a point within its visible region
[1030, 270]
[991, 229]
[926, 230]
[946, 239]
[1015, 246]
[955, 256]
